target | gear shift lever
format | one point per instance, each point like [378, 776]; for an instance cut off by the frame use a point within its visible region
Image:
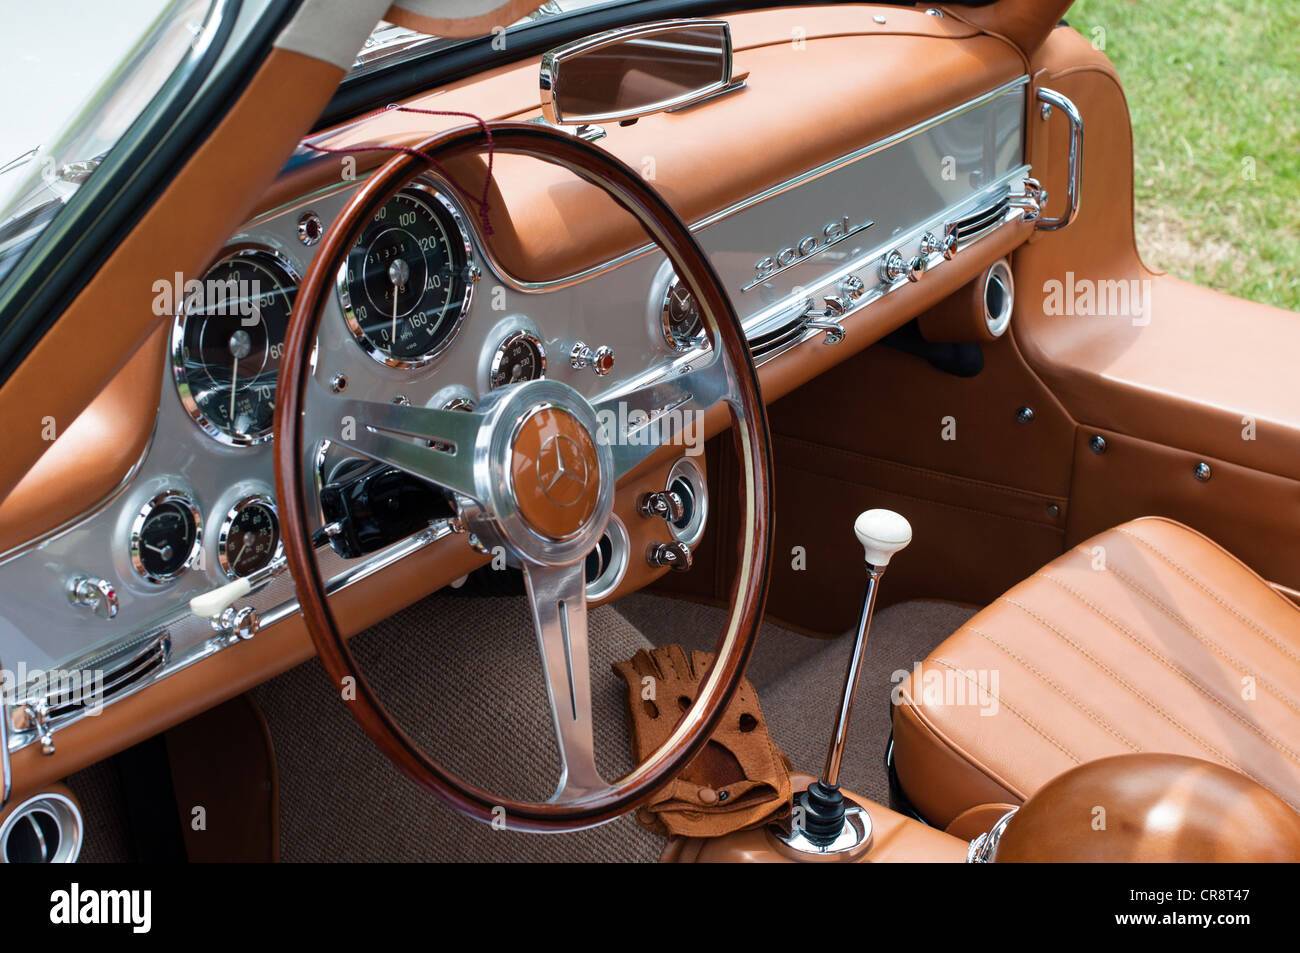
[827, 825]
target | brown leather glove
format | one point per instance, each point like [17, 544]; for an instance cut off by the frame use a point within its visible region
[741, 779]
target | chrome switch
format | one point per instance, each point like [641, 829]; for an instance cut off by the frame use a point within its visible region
[98, 595]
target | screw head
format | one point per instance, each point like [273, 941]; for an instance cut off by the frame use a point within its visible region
[338, 383]
[1097, 444]
[1202, 471]
[1046, 111]
[1053, 510]
[1025, 415]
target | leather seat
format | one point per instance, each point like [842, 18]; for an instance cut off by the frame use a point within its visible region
[1148, 637]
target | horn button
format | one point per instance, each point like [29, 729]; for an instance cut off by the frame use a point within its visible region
[554, 472]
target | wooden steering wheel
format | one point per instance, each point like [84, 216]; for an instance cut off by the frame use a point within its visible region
[502, 462]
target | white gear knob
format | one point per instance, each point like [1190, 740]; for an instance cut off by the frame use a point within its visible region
[882, 533]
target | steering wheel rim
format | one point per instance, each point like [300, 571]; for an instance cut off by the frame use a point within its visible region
[587, 803]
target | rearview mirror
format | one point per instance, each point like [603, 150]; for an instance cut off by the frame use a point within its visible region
[636, 71]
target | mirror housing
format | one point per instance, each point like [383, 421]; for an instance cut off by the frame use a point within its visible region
[632, 72]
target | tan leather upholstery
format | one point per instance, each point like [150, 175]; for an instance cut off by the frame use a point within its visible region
[1148, 637]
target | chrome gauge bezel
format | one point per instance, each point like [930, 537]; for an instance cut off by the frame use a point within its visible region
[137, 524]
[687, 469]
[666, 326]
[247, 250]
[471, 275]
[228, 523]
[522, 334]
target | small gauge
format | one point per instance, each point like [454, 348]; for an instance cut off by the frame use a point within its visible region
[520, 357]
[249, 537]
[682, 326]
[166, 536]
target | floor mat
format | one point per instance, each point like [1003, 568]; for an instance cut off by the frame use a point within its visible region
[462, 675]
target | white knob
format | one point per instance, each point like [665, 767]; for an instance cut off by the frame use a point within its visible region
[882, 533]
[218, 600]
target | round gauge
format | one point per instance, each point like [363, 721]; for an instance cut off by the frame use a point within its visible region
[682, 327]
[166, 536]
[227, 341]
[520, 357]
[407, 283]
[250, 536]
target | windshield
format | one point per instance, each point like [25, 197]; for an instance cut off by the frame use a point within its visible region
[389, 45]
[75, 84]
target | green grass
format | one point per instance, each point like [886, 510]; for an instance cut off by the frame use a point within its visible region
[1214, 92]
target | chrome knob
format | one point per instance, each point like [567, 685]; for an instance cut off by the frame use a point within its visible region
[931, 244]
[666, 504]
[237, 624]
[895, 266]
[853, 287]
[600, 360]
[98, 595]
[675, 556]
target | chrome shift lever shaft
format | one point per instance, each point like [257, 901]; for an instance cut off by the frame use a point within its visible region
[823, 823]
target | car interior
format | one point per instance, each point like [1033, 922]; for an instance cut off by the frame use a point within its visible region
[691, 431]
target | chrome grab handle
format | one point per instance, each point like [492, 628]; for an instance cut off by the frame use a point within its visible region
[1052, 98]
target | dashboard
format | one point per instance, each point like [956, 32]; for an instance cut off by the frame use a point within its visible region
[425, 313]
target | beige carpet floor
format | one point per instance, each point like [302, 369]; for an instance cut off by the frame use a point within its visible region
[463, 675]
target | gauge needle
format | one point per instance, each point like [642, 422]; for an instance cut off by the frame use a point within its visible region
[398, 273]
[165, 551]
[239, 555]
[240, 344]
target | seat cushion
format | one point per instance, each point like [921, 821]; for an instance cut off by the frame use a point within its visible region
[1147, 637]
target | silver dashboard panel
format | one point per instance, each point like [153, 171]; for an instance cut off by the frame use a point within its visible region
[905, 185]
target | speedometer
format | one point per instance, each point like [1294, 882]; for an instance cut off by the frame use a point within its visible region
[407, 283]
[227, 341]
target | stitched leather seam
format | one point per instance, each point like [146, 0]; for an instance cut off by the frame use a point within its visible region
[1060, 690]
[1269, 637]
[1224, 759]
[910, 706]
[949, 665]
[1176, 669]
[1242, 668]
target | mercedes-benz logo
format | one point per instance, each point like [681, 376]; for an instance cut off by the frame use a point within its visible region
[562, 470]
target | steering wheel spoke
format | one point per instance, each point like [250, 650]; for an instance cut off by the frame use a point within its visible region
[434, 445]
[670, 410]
[558, 598]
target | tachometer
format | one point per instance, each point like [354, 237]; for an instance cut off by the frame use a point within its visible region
[226, 344]
[407, 283]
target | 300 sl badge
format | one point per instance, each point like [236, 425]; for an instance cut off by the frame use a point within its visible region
[807, 247]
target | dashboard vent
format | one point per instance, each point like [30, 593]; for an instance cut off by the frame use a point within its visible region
[772, 337]
[982, 221]
[95, 679]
